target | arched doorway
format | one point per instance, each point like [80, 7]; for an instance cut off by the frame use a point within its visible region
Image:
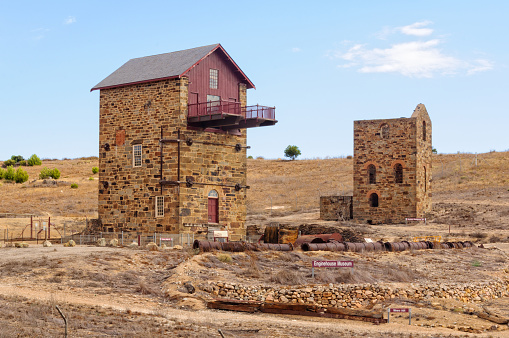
[213, 206]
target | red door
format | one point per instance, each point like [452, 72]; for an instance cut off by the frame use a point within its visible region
[213, 210]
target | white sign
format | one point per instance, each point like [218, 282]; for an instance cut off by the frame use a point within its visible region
[220, 234]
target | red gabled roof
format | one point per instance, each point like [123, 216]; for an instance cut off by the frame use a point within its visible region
[163, 66]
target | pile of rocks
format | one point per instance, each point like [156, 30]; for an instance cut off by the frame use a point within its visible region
[359, 295]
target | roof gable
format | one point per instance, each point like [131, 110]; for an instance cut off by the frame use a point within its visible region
[162, 66]
[420, 111]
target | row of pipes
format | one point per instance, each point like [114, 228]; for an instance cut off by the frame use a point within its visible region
[330, 246]
[381, 246]
[240, 246]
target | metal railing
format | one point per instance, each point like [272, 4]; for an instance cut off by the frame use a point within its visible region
[258, 111]
[233, 108]
[215, 107]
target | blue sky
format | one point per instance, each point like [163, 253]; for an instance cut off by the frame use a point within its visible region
[323, 65]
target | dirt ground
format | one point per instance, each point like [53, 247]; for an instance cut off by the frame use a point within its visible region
[131, 292]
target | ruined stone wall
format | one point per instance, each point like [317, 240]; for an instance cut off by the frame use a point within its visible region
[133, 115]
[384, 144]
[424, 164]
[333, 208]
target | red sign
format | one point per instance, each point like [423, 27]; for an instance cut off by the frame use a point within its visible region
[333, 264]
[398, 310]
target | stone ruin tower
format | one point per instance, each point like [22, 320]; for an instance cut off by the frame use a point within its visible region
[172, 138]
[392, 168]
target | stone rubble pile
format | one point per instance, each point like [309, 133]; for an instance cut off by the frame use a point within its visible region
[359, 295]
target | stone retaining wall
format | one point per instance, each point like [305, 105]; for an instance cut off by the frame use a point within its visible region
[359, 295]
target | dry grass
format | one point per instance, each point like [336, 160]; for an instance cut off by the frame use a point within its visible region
[291, 186]
[33, 197]
[296, 185]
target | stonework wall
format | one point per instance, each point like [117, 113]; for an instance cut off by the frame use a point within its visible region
[136, 115]
[385, 144]
[333, 208]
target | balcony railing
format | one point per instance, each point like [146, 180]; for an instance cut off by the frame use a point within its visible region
[233, 108]
[212, 108]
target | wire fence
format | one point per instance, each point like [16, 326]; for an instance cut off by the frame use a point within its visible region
[128, 238]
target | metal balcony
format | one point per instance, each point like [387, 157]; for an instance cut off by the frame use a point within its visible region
[229, 115]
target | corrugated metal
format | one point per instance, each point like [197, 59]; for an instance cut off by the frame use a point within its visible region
[228, 79]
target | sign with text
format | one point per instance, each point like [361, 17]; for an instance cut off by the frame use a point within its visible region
[400, 310]
[333, 264]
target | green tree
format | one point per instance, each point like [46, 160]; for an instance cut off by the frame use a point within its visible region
[10, 174]
[34, 160]
[21, 175]
[17, 158]
[95, 170]
[434, 150]
[292, 152]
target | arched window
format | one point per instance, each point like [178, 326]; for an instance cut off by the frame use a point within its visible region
[424, 130]
[398, 173]
[385, 131]
[371, 174]
[373, 200]
[213, 207]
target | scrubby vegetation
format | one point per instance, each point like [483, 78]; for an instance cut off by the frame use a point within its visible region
[95, 170]
[47, 173]
[34, 160]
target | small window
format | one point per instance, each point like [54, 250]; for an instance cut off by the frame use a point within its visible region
[213, 194]
[159, 206]
[213, 78]
[398, 173]
[372, 174]
[137, 155]
[385, 131]
[373, 200]
[424, 130]
[425, 180]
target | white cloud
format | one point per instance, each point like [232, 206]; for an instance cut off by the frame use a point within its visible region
[69, 20]
[416, 29]
[420, 58]
[482, 65]
[296, 49]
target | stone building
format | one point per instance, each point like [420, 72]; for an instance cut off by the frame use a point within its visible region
[391, 171]
[392, 168]
[172, 138]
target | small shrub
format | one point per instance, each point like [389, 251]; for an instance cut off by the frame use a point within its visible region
[9, 163]
[21, 176]
[349, 157]
[10, 174]
[494, 239]
[47, 173]
[250, 157]
[17, 158]
[95, 170]
[55, 173]
[74, 186]
[225, 258]
[34, 160]
[476, 263]
[23, 163]
[2, 173]
[479, 235]
[90, 178]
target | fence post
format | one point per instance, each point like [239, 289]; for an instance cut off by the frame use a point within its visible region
[122, 238]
